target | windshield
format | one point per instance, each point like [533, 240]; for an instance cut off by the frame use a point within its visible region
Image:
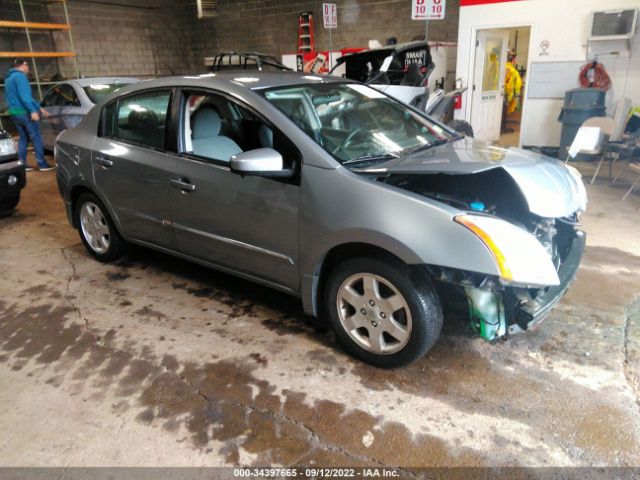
[99, 91]
[355, 122]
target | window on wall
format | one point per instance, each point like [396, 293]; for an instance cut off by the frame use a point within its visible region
[217, 128]
[491, 68]
[138, 119]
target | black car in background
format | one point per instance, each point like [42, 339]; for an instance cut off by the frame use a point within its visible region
[12, 175]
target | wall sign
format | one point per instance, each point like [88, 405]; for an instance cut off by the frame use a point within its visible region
[330, 15]
[544, 47]
[428, 9]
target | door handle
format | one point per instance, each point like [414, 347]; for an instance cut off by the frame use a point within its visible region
[183, 185]
[104, 162]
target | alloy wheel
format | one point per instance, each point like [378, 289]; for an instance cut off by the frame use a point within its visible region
[95, 228]
[374, 313]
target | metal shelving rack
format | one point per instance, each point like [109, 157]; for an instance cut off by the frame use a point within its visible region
[27, 27]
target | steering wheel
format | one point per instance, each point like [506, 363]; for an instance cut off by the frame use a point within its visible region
[348, 139]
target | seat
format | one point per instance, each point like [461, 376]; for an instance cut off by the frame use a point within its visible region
[618, 146]
[624, 151]
[635, 167]
[588, 143]
[207, 141]
[143, 128]
[265, 136]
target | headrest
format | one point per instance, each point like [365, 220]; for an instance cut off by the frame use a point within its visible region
[206, 123]
[265, 135]
[143, 119]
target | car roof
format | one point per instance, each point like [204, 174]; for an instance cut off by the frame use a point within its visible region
[251, 80]
[85, 82]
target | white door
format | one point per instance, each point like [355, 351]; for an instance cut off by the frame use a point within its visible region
[488, 83]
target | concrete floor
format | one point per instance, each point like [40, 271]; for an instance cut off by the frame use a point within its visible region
[155, 361]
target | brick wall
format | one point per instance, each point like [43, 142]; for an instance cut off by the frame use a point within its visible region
[270, 26]
[123, 37]
[144, 38]
[158, 37]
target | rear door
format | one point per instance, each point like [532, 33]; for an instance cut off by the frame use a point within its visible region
[129, 165]
[49, 126]
[63, 105]
[247, 224]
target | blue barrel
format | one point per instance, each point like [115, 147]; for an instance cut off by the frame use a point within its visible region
[579, 105]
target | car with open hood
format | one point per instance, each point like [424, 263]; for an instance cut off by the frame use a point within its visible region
[331, 191]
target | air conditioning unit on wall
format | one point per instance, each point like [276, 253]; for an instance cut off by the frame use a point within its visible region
[207, 8]
[612, 32]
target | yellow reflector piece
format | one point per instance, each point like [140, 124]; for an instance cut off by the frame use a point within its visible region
[505, 271]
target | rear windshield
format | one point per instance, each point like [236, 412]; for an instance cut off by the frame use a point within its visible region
[99, 91]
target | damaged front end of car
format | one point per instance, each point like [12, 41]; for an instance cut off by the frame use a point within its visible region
[537, 244]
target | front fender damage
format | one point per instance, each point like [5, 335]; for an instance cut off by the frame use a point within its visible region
[497, 308]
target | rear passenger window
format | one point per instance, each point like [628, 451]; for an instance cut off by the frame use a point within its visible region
[141, 119]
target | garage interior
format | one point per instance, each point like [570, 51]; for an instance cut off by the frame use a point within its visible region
[154, 361]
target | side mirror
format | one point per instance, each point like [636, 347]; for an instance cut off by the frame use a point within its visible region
[261, 162]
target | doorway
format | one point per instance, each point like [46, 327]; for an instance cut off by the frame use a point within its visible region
[499, 76]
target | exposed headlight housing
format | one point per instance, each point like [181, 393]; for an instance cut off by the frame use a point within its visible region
[7, 147]
[520, 257]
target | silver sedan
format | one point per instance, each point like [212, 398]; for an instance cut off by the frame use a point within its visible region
[69, 101]
[331, 191]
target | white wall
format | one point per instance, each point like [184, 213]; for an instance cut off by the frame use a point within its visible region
[565, 25]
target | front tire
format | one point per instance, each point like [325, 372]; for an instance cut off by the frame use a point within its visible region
[381, 313]
[97, 230]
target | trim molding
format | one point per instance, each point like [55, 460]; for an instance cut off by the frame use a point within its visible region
[235, 243]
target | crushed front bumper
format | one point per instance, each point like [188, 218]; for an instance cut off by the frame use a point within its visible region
[521, 317]
[507, 310]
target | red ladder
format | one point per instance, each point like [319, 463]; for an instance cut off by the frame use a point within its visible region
[306, 41]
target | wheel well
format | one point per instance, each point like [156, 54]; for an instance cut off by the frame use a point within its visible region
[339, 254]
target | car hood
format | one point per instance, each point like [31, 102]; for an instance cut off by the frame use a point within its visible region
[549, 187]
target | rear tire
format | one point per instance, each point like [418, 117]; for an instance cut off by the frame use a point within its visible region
[381, 313]
[97, 230]
[462, 126]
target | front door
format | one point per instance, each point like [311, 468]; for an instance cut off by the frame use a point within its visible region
[247, 224]
[488, 83]
[129, 165]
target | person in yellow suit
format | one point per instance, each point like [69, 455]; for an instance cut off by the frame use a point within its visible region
[512, 84]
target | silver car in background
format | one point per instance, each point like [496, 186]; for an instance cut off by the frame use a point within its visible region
[69, 101]
[331, 191]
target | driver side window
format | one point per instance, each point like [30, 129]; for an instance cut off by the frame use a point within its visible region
[217, 128]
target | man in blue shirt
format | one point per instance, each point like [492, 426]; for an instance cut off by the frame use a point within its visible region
[25, 112]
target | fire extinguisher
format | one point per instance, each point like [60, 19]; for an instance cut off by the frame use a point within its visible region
[457, 100]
